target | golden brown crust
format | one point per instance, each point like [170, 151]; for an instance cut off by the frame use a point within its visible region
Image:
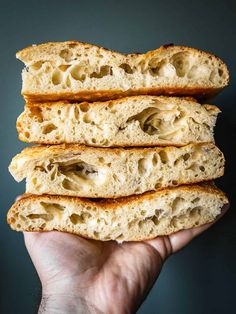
[120, 101]
[103, 95]
[112, 204]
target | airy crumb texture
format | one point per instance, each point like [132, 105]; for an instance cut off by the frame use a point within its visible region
[78, 71]
[105, 172]
[131, 121]
[129, 219]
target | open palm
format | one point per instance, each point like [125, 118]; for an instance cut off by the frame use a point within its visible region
[109, 277]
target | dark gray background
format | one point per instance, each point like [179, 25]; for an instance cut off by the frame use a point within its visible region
[202, 277]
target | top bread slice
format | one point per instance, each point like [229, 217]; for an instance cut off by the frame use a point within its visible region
[77, 71]
[130, 121]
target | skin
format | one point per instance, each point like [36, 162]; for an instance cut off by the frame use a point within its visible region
[86, 276]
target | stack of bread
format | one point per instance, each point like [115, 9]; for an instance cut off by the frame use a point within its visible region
[119, 158]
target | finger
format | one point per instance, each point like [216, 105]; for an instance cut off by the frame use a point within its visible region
[181, 238]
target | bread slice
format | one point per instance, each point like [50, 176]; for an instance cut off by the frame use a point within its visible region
[104, 172]
[79, 71]
[130, 121]
[129, 219]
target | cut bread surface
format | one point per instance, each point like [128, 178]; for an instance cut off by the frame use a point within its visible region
[78, 71]
[104, 172]
[128, 219]
[131, 121]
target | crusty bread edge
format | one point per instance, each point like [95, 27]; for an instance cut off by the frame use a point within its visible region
[45, 150]
[112, 204]
[104, 95]
[121, 101]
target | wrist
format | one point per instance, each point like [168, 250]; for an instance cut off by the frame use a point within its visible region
[65, 303]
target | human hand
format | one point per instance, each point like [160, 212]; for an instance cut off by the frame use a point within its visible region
[87, 276]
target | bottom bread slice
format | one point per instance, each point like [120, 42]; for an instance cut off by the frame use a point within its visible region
[133, 218]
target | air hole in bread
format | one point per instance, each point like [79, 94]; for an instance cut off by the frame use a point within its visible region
[47, 69]
[78, 168]
[69, 185]
[195, 212]
[87, 118]
[75, 219]
[198, 72]
[34, 181]
[186, 156]
[115, 177]
[155, 220]
[37, 65]
[193, 167]
[78, 175]
[142, 166]
[148, 120]
[110, 105]
[104, 142]
[78, 73]
[163, 156]
[104, 71]
[220, 72]
[202, 168]
[66, 54]
[101, 159]
[177, 205]
[49, 128]
[158, 186]
[27, 134]
[96, 234]
[155, 159]
[12, 220]
[35, 113]
[155, 65]
[84, 107]
[137, 190]
[174, 182]
[53, 208]
[68, 81]
[57, 77]
[177, 222]
[46, 217]
[141, 223]
[181, 62]
[63, 67]
[196, 200]
[127, 68]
